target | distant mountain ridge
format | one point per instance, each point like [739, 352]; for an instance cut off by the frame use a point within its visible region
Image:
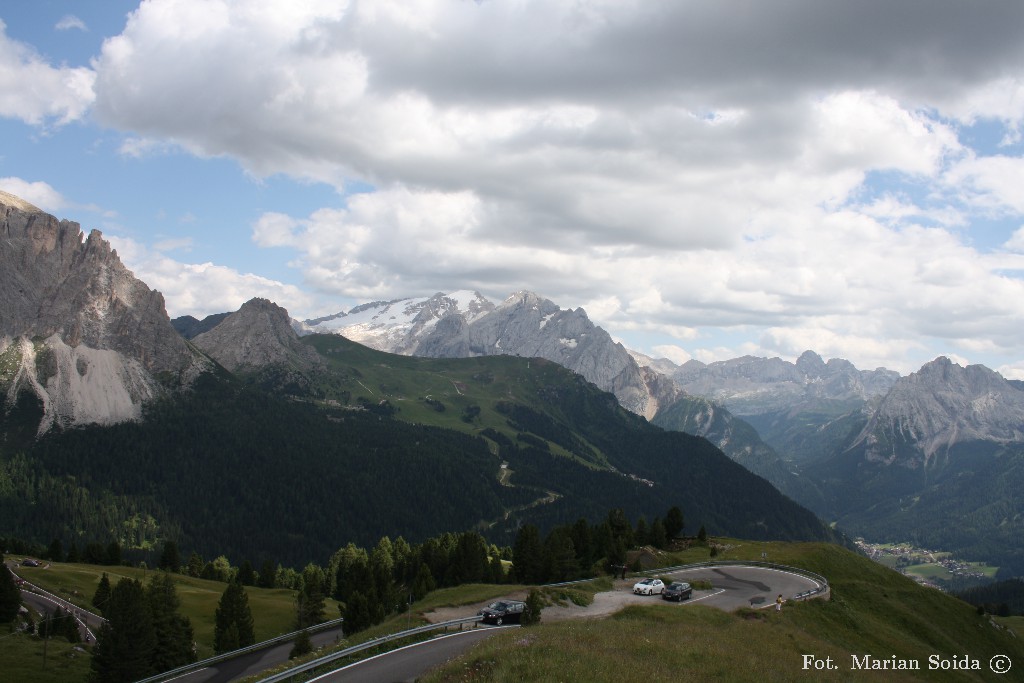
[465, 324]
[751, 385]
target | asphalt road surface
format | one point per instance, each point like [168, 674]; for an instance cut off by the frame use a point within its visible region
[409, 663]
[733, 587]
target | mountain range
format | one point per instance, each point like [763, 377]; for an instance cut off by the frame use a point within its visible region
[837, 439]
[250, 440]
[888, 457]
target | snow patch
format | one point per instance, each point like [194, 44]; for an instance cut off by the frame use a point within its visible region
[571, 343]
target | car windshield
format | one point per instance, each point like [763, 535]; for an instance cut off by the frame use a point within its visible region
[497, 605]
[647, 582]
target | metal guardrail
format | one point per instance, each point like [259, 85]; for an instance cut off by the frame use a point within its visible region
[341, 654]
[69, 606]
[322, 661]
[195, 666]
[817, 578]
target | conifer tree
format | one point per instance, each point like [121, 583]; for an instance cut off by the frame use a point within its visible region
[102, 594]
[10, 596]
[310, 599]
[358, 615]
[424, 582]
[674, 523]
[303, 645]
[170, 558]
[534, 605]
[268, 575]
[233, 627]
[173, 631]
[528, 556]
[126, 642]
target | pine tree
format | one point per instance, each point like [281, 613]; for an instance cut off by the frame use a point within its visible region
[528, 556]
[303, 645]
[268, 575]
[702, 535]
[102, 594]
[10, 596]
[310, 599]
[358, 615]
[246, 574]
[233, 626]
[534, 604]
[170, 558]
[424, 582]
[658, 537]
[173, 631]
[674, 523]
[55, 553]
[126, 642]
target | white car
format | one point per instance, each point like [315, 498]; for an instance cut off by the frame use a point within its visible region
[648, 587]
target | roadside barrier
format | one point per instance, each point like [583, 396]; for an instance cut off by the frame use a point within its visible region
[341, 654]
[821, 581]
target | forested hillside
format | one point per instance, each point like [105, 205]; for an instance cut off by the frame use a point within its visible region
[376, 445]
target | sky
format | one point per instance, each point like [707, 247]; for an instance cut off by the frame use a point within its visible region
[706, 179]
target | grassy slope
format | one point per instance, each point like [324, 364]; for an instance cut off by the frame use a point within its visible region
[873, 611]
[273, 611]
[456, 382]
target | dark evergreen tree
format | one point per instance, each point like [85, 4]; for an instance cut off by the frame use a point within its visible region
[268, 575]
[534, 605]
[126, 642]
[674, 523]
[94, 554]
[55, 553]
[310, 598]
[358, 615]
[173, 631]
[195, 565]
[303, 645]
[113, 554]
[583, 541]
[424, 582]
[102, 594]
[658, 537]
[170, 559]
[640, 536]
[233, 625]
[702, 535]
[246, 574]
[73, 554]
[528, 555]
[10, 595]
[560, 562]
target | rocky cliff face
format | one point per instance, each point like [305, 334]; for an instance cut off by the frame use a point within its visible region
[939, 406]
[77, 329]
[465, 324]
[256, 336]
[752, 386]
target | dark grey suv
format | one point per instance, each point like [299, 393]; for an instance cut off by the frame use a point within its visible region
[678, 591]
[503, 611]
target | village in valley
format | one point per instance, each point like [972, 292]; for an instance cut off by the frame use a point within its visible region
[935, 568]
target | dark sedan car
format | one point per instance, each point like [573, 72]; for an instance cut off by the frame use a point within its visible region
[678, 591]
[503, 611]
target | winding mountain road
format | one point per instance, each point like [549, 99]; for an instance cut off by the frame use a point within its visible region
[733, 587]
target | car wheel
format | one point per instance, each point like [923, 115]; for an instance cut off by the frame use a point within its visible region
[498, 621]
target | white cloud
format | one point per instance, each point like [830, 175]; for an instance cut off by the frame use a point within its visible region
[35, 92]
[201, 289]
[673, 167]
[38, 193]
[70, 21]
